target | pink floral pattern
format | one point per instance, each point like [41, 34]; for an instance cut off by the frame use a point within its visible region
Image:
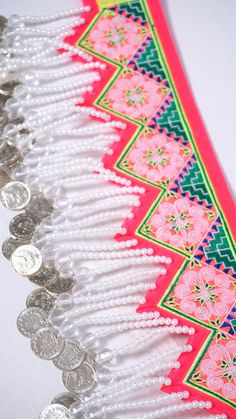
[204, 294]
[156, 157]
[218, 369]
[115, 36]
[179, 223]
[136, 96]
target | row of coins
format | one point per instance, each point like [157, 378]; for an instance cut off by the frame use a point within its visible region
[47, 343]
[67, 355]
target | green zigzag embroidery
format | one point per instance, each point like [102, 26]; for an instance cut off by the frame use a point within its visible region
[133, 8]
[150, 61]
[170, 120]
[193, 183]
[219, 249]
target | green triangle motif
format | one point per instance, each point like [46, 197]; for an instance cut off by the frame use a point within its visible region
[219, 249]
[133, 8]
[194, 184]
[150, 61]
[170, 120]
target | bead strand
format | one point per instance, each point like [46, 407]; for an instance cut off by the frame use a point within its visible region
[135, 261]
[116, 254]
[15, 20]
[33, 78]
[168, 410]
[141, 403]
[139, 325]
[128, 290]
[124, 387]
[146, 369]
[141, 342]
[127, 278]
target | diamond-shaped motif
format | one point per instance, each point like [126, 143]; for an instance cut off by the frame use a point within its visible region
[135, 96]
[178, 223]
[114, 36]
[216, 371]
[155, 157]
[202, 294]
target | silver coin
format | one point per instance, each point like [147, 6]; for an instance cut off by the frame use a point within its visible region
[15, 195]
[26, 260]
[54, 411]
[47, 343]
[9, 246]
[41, 298]
[61, 285]
[79, 380]
[4, 175]
[66, 399]
[31, 320]
[23, 227]
[8, 87]
[40, 206]
[47, 276]
[70, 358]
[9, 156]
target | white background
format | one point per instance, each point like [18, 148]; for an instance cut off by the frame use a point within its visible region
[205, 33]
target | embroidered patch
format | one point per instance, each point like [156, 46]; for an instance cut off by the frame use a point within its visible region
[155, 157]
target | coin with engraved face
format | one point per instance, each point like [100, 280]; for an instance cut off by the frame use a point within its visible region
[70, 358]
[54, 411]
[15, 195]
[40, 206]
[23, 227]
[47, 275]
[9, 246]
[31, 320]
[26, 260]
[9, 156]
[61, 285]
[47, 343]
[41, 298]
[66, 399]
[79, 380]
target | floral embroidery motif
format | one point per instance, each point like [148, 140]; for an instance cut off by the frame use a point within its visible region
[203, 294]
[218, 369]
[115, 36]
[156, 157]
[178, 223]
[136, 96]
